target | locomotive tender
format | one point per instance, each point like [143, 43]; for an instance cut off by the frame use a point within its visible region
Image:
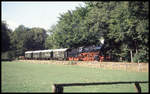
[89, 53]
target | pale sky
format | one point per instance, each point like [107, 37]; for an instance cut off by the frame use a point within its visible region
[35, 14]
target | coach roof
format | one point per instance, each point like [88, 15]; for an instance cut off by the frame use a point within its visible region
[38, 51]
[64, 49]
[46, 51]
[29, 52]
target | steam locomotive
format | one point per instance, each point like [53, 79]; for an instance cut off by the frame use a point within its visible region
[88, 53]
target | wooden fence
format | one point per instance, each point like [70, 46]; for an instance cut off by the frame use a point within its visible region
[58, 88]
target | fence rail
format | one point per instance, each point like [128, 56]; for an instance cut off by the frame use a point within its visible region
[56, 88]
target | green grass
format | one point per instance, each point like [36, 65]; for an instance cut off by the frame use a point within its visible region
[28, 77]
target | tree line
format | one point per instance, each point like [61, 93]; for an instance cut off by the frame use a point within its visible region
[15, 43]
[124, 26]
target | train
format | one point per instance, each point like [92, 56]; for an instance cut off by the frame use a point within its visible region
[88, 53]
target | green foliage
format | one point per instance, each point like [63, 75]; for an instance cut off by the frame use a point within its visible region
[24, 39]
[5, 33]
[18, 39]
[123, 25]
[37, 37]
[9, 55]
[141, 56]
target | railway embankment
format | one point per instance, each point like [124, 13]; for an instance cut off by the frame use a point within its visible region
[138, 67]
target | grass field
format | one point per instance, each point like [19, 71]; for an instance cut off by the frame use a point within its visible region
[29, 77]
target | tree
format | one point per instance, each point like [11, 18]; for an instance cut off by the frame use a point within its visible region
[18, 39]
[6, 32]
[123, 25]
[36, 39]
[50, 41]
[24, 39]
[130, 28]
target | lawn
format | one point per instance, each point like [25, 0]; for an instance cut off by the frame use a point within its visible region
[29, 77]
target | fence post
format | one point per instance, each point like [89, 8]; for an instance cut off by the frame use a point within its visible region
[57, 89]
[138, 88]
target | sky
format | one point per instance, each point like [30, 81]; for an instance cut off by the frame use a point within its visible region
[35, 14]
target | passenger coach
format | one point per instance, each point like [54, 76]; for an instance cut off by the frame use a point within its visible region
[59, 54]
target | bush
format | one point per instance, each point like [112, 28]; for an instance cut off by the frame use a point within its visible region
[141, 56]
[7, 56]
